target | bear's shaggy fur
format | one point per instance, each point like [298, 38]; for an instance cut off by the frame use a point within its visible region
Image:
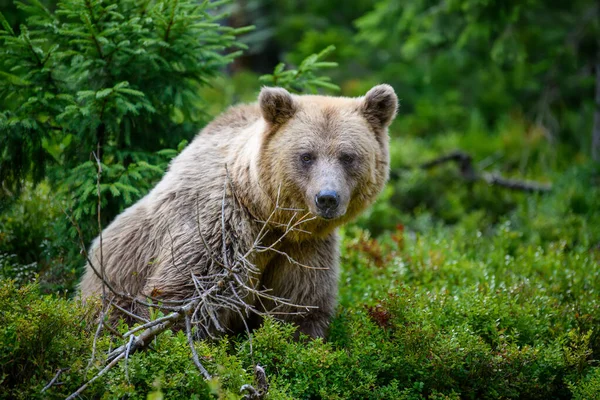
[325, 155]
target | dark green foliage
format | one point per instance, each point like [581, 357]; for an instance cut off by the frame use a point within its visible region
[303, 79]
[33, 241]
[291, 30]
[458, 60]
[449, 289]
[589, 387]
[39, 335]
[454, 64]
[87, 91]
[104, 78]
[448, 312]
[169, 371]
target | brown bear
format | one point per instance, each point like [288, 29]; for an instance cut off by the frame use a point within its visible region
[264, 184]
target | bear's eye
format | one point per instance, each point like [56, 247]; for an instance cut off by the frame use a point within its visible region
[347, 158]
[307, 158]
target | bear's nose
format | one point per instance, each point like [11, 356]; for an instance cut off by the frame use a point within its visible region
[327, 200]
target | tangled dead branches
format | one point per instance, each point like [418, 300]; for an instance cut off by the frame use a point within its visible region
[230, 288]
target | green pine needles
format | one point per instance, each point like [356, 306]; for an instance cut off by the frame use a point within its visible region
[97, 96]
[105, 77]
[305, 78]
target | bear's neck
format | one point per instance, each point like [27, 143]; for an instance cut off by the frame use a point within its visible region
[242, 165]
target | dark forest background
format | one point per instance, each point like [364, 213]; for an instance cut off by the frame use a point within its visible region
[476, 274]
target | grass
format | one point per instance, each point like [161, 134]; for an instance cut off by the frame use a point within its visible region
[448, 291]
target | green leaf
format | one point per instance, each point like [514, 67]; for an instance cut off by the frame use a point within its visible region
[114, 190]
[327, 85]
[14, 79]
[103, 93]
[6, 25]
[131, 92]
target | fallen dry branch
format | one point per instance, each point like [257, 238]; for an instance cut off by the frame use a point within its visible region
[102, 372]
[514, 184]
[226, 289]
[464, 161]
[53, 381]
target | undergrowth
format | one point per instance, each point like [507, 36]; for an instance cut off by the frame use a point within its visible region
[438, 312]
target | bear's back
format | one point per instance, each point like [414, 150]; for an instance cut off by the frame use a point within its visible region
[192, 189]
[233, 120]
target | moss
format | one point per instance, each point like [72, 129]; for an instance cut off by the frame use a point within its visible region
[494, 306]
[39, 335]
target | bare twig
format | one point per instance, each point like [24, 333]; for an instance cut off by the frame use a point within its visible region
[99, 213]
[102, 372]
[188, 330]
[127, 351]
[471, 174]
[525, 186]
[151, 330]
[98, 329]
[228, 282]
[53, 381]
[261, 383]
[128, 313]
[112, 330]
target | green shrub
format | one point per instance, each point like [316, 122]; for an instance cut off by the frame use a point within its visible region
[25, 224]
[445, 313]
[589, 387]
[448, 290]
[39, 335]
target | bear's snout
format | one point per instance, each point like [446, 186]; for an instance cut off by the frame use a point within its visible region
[327, 202]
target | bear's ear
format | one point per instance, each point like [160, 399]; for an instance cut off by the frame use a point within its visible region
[276, 105]
[379, 106]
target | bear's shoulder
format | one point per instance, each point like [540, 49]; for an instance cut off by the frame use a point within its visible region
[235, 117]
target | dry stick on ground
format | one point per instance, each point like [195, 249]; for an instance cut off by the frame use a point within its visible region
[102, 372]
[260, 377]
[227, 289]
[470, 174]
[53, 381]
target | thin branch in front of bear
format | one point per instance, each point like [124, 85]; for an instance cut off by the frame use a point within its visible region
[290, 259]
[201, 236]
[228, 283]
[291, 226]
[128, 313]
[223, 231]
[105, 282]
[99, 215]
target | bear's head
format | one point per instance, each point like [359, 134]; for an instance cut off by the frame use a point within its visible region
[325, 155]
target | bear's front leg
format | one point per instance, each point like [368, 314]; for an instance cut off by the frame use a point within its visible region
[309, 277]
